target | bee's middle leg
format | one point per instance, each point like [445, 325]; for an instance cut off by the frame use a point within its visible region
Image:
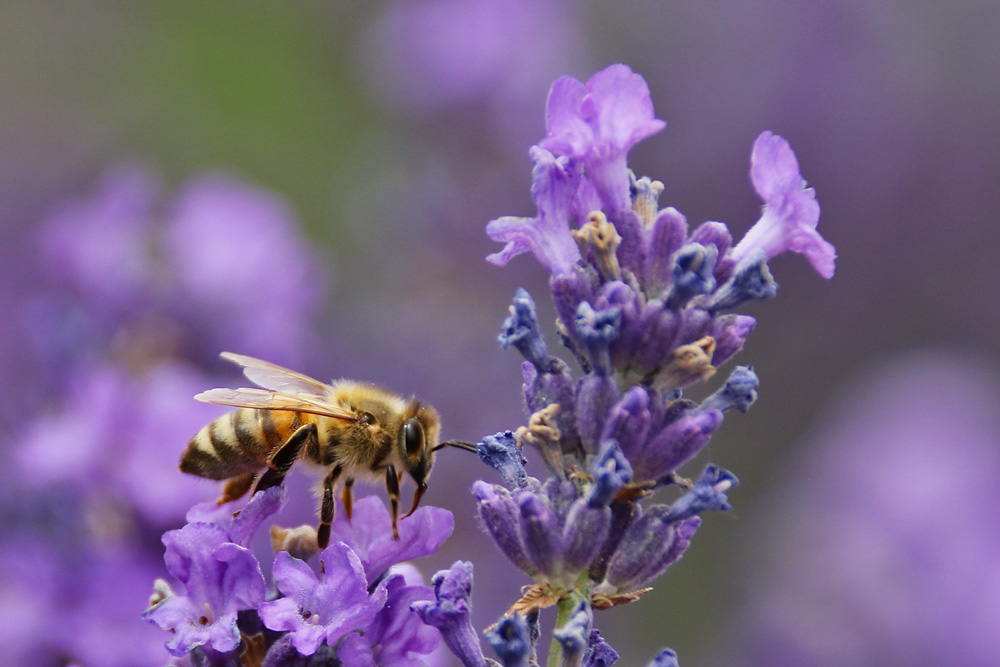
[284, 456]
[327, 507]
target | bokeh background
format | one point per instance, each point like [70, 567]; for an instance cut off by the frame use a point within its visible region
[379, 138]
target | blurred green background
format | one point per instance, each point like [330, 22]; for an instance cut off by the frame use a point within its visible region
[350, 111]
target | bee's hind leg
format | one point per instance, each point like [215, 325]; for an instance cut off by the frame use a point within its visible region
[347, 497]
[236, 487]
[326, 508]
[284, 456]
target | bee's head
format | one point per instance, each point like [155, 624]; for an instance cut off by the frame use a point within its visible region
[417, 437]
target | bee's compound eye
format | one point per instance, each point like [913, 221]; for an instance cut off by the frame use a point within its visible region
[413, 437]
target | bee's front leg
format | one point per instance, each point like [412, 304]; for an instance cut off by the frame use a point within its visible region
[392, 487]
[284, 456]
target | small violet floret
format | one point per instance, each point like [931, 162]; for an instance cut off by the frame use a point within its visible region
[791, 211]
[599, 122]
[547, 236]
[451, 612]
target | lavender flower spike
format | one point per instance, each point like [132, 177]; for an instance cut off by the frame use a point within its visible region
[790, 209]
[451, 613]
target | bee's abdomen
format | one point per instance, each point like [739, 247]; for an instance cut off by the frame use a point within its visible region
[233, 444]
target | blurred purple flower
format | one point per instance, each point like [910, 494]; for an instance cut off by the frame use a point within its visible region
[30, 583]
[884, 552]
[221, 266]
[790, 209]
[99, 245]
[118, 424]
[101, 599]
[433, 55]
[240, 271]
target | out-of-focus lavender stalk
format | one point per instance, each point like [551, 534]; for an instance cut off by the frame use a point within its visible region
[644, 306]
[137, 294]
[883, 549]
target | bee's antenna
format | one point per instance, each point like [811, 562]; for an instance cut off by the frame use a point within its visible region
[467, 446]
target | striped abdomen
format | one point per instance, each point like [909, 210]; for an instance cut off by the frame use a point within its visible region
[239, 442]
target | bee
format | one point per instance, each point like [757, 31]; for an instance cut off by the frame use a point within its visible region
[351, 429]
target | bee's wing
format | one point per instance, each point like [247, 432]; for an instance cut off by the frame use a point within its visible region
[280, 389]
[277, 378]
[264, 399]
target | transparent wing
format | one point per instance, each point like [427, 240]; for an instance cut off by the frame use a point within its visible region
[277, 378]
[279, 389]
[264, 399]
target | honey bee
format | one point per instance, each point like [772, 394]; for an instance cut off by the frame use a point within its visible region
[352, 429]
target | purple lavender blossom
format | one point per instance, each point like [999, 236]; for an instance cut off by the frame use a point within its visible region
[396, 636]
[357, 610]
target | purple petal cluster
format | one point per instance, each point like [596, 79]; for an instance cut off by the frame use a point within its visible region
[355, 609]
[557, 530]
[219, 575]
